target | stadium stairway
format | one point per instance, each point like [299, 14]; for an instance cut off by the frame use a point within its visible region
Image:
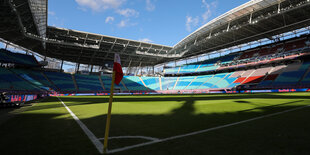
[305, 77]
[123, 84]
[291, 74]
[24, 74]
[205, 81]
[88, 83]
[101, 83]
[51, 82]
[11, 81]
[74, 82]
[190, 82]
[62, 80]
[160, 85]
[143, 82]
[152, 83]
[175, 83]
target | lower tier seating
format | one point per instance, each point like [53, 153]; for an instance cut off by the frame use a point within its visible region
[88, 82]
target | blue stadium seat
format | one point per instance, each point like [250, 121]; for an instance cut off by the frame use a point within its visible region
[88, 82]
[63, 81]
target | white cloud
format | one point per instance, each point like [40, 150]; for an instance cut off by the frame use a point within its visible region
[150, 6]
[191, 22]
[98, 5]
[147, 40]
[210, 7]
[128, 12]
[109, 19]
[125, 23]
[52, 13]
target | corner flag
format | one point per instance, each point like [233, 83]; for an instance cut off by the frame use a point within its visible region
[117, 77]
[117, 68]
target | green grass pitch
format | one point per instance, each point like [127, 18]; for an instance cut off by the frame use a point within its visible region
[48, 128]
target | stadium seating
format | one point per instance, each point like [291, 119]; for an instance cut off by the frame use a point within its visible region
[189, 68]
[226, 82]
[63, 81]
[295, 45]
[183, 82]
[32, 76]
[292, 74]
[168, 83]
[17, 58]
[151, 82]
[203, 66]
[212, 82]
[172, 70]
[106, 80]
[10, 81]
[134, 83]
[88, 82]
[198, 81]
[272, 77]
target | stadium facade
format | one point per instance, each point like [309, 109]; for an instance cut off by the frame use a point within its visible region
[262, 45]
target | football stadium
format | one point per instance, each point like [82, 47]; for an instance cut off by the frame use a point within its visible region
[239, 84]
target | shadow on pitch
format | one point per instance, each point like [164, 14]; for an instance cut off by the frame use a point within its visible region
[56, 133]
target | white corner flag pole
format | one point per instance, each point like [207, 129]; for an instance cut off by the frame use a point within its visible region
[107, 126]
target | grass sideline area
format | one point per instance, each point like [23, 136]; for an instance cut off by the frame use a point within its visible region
[48, 128]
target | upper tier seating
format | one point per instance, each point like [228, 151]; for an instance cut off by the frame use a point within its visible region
[248, 54]
[203, 66]
[88, 82]
[17, 58]
[172, 70]
[189, 68]
[295, 45]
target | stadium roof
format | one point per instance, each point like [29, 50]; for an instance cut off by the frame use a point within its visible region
[24, 23]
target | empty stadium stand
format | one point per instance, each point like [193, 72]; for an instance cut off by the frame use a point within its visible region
[12, 82]
[17, 58]
[88, 82]
[209, 74]
[62, 81]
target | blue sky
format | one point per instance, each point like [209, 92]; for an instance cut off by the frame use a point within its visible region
[158, 21]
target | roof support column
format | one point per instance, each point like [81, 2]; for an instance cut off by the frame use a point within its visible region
[77, 67]
[251, 15]
[91, 68]
[137, 70]
[61, 66]
[129, 67]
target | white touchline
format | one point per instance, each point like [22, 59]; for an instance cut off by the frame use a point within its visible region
[203, 131]
[125, 137]
[90, 135]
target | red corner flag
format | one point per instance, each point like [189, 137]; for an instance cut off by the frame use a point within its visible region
[118, 69]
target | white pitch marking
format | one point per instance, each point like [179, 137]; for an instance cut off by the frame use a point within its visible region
[124, 137]
[203, 131]
[90, 135]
